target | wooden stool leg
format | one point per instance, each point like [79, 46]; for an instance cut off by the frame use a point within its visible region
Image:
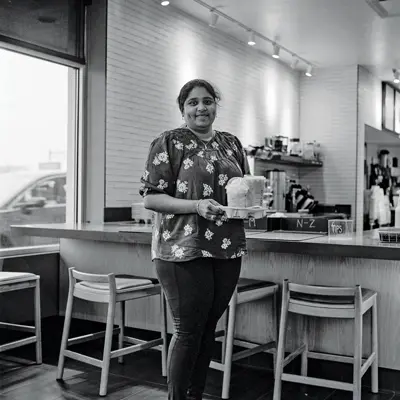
[358, 321]
[121, 330]
[276, 330]
[281, 343]
[105, 368]
[304, 354]
[374, 366]
[164, 330]
[38, 323]
[65, 335]
[229, 347]
[223, 344]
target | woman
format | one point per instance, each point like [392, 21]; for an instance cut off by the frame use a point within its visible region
[197, 251]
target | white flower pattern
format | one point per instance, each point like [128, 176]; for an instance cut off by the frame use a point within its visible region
[145, 175]
[207, 190]
[182, 186]
[188, 230]
[162, 184]
[208, 235]
[197, 174]
[187, 163]
[210, 168]
[166, 235]
[222, 179]
[225, 243]
[178, 144]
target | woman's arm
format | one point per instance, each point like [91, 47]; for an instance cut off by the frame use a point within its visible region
[164, 203]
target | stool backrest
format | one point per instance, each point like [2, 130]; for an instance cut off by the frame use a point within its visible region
[308, 299]
[331, 291]
[75, 275]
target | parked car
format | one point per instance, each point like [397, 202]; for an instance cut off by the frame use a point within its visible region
[30, 197]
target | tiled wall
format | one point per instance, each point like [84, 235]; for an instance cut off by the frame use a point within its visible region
[328, 114]
[151, 52]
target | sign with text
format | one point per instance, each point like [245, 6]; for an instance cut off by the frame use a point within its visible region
[340, 228]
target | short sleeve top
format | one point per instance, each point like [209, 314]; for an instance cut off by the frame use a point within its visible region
[183, 166]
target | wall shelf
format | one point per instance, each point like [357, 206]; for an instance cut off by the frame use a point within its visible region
[290, 160]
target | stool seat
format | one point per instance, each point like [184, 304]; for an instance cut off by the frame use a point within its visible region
[339, 301]
[7, 278]
[246, 284]
[123, 283]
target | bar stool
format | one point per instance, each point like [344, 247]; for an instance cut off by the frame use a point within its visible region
[328, 302]
[247, 290]
[110, 289]
[12, 281]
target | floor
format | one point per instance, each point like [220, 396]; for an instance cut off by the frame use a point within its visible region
[139, 378]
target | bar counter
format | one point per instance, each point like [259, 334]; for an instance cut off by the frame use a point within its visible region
[365, 245]
[273, 256]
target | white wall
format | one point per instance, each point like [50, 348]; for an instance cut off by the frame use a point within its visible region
[151, 52]
[328, 114]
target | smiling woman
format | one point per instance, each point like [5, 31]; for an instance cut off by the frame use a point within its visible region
[196, 249]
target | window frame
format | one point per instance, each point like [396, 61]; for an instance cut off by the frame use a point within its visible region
[75, 141]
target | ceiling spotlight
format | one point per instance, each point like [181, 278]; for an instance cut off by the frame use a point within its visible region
[309, 70]
[251, 41]
[396, 75]
[165, 3]
[213, 19]
[277, 48]
[294, 63]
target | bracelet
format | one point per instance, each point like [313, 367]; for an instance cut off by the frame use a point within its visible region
[198, 207]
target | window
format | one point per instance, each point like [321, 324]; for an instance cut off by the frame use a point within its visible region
[37, 103]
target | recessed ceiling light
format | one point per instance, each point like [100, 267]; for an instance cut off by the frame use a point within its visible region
[165, 3]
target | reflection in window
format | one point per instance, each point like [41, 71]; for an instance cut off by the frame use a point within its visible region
[34, 112]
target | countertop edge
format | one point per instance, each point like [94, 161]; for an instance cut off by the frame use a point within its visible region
[254, 244]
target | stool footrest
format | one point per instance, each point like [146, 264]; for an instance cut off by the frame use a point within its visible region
[331, 357]
[136, 347]
[86, 359]
[306, 380]
[288, 359]
[17, 327]
[255, 350]
[368, 363]
[18, 343]
[89, 337]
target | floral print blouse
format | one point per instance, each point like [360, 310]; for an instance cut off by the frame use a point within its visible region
[183, 166]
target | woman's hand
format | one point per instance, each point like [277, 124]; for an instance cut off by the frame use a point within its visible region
[211, 210]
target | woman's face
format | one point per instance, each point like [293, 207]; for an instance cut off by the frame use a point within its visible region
[199, 110]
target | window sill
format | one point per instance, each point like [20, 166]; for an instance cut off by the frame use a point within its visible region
[29, 251]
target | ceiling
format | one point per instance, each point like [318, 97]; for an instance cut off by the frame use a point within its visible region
[326, 33]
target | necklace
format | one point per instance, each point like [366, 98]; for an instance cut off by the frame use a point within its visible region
[205, 141]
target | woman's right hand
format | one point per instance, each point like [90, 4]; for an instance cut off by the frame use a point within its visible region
[211, 210]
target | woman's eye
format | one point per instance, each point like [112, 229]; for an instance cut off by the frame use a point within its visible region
[192, 103]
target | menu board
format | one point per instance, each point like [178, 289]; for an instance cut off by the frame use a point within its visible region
[397, 112]
[388, 107]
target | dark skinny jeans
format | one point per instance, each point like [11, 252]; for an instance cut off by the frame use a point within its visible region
[198, 292]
